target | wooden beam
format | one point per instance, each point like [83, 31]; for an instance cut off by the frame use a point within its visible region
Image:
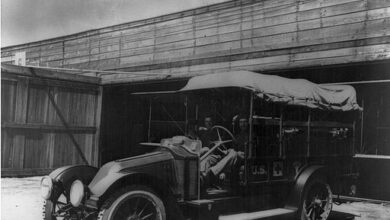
[305, 124]
[242, 55]
[47, 74]
[79, 86]
[46, 127]
[96, 161]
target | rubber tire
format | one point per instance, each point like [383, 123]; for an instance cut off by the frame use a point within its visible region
[306, 190]
[47, 209]
[111, 204]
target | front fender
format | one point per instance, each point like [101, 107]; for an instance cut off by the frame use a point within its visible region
[100, 185]
[67, 174]
[155, 169]
[156, 166]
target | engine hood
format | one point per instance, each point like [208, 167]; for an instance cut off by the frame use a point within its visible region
[114, 170]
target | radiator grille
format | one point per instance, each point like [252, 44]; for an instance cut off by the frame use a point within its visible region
[193, 179]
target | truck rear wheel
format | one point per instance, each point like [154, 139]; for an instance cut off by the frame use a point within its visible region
[133, 203]
[317, 201]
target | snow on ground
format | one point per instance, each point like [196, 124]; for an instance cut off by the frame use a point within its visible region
[20, 199]
[367, 211]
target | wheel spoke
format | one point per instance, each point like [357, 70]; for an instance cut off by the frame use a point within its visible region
[219, 135]
[59, 215]
[134, 208]
[63, 208]
[310, 211]
[143, 209]
[60, 203]
[147, 216]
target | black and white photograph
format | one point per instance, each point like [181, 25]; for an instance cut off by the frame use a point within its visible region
[195, 110]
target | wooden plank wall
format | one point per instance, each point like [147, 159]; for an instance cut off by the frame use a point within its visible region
[259, 35]
[34, 140]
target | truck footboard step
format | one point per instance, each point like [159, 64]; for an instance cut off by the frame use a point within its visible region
[279, 212]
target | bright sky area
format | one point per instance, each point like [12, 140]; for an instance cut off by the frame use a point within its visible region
[24, 21]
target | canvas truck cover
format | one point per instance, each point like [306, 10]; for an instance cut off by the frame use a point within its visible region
[282, 90]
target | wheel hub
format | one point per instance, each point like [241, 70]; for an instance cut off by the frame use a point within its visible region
[317, 202]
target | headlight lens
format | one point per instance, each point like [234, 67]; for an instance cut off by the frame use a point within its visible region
[76, 193]
[46, 187]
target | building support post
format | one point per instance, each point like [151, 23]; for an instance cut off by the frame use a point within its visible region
[249, 147]
[149, 118]
[308, 133]
[281, 133]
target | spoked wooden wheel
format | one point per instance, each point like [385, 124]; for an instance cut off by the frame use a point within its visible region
[134, 204]
[317, 203]
[57, 209]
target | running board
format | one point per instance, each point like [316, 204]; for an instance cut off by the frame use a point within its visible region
[345, 210]
[279, 212]
[357, 199]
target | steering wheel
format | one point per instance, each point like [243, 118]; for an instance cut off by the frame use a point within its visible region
[220, 142]
[220, 129]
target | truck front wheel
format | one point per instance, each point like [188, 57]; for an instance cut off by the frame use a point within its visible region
[57, 209]
[133, 203]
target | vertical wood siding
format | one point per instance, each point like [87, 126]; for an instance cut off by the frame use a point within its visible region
[34, 140]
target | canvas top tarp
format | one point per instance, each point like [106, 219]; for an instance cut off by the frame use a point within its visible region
[278, 89]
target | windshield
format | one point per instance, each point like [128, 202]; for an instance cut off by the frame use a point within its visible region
[185, 114]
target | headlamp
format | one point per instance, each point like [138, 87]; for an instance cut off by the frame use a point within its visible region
[76, 193]
[46, 187]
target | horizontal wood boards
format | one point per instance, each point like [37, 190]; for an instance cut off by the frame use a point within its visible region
[224, 33]
[33, 136]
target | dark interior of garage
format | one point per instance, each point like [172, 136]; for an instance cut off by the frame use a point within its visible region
[125, 115]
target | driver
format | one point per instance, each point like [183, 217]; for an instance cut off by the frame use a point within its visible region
[206, 134]
[217, 162]
[242, 137]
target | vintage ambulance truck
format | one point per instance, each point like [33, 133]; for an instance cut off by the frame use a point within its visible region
[300, 145]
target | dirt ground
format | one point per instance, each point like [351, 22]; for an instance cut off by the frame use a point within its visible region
[20, 199]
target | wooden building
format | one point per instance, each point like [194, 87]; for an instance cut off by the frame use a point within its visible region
[259, 35]
[43, 116]
[326, 41]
